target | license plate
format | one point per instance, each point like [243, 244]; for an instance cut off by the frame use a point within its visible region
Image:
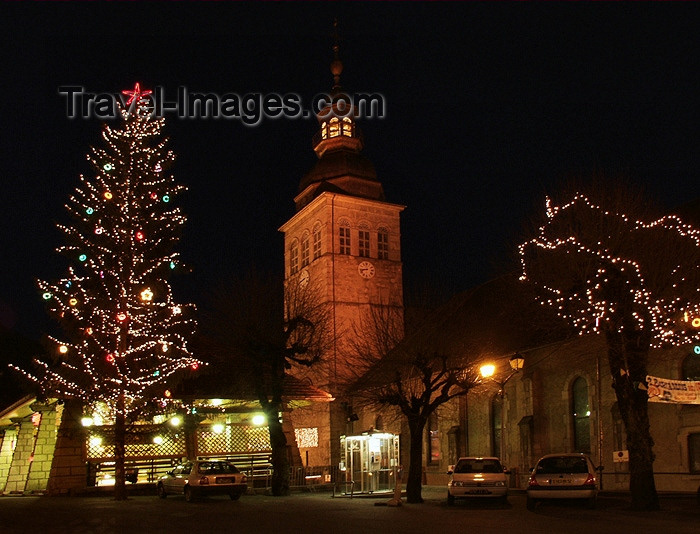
[479, 492]
[561, 481]
[224, 481]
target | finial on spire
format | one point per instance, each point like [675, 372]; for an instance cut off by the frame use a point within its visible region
[336, 64]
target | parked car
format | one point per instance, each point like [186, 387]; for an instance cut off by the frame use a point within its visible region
[477, 477]
[562, 476]
[203, 477]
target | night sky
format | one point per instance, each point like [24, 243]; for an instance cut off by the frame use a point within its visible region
[489, 106]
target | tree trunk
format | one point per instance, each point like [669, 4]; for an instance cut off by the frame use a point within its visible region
[120, 451]
[280, 458]
[415, 469]
[628, 366]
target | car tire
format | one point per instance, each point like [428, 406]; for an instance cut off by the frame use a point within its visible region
[161, 491]
[235, 496]
[189, 497]
[450, 499]
[531, 503]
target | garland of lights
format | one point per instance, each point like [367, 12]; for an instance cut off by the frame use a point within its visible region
[670, 314]
[125, 334]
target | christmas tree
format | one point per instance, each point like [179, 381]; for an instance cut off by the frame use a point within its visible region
[125, 336]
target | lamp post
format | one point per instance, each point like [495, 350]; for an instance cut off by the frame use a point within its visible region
[487, 371]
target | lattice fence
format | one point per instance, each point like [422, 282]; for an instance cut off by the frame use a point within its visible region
[141, 441]
[233, 439]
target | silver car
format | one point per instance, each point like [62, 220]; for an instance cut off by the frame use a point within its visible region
[477, 477]
[203, 477]
[562, 476]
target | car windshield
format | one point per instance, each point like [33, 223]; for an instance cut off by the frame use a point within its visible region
[478, 466]
[562, 464]
[216, 468]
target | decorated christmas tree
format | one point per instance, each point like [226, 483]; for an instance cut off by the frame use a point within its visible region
[125, 338]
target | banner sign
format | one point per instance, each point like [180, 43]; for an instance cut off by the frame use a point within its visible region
[673, 391]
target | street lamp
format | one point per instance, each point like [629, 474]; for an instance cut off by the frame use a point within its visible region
[487, 371]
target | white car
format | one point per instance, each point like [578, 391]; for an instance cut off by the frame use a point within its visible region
[477, 477]
[562, 476]
[203, 477]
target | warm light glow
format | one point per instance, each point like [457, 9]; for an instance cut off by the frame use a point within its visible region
[176, 421]
[63, 349]
[217, 428]
[86, 421]
[158, 440]
[147, 295]
[108, 195]
[258, 420]
[487, 370]
[95, 441]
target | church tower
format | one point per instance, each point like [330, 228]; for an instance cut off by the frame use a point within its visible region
[345, 240]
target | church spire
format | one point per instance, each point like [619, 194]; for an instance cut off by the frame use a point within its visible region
[336, 64]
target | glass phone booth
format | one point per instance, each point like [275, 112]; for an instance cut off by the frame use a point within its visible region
[369, 461]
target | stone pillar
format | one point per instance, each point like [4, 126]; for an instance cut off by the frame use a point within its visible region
[7, 450]
[22, 457]
[69, 469]
[44, 446]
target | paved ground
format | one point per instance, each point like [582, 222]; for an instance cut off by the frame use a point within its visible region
[305, 513]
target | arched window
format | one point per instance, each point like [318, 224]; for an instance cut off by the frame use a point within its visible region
[346, 127]
[496, 424]
[334, 127]
[324, 130]
[581, 415]
[305, 249]
[690, 369]
[382, 243]
[294, 258]
[363, 240]
[344, 234]
[317, 241]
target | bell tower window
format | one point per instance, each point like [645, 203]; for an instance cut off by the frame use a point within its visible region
[317, 241]
[347, 127]
[344, 238]
[305, 250]
[363, 241]
[383, 243]
[294, 258]
[334, 127]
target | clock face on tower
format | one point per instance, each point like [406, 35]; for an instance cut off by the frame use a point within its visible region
[366, 269]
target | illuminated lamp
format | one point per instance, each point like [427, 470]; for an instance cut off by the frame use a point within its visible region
[108, 195]
[63, 349]
[164, 347]
[487, 370]
[166, 198]
[167, 393]
[695, 322]
[215, 402]
[177, 310]
[175, 421]
[516, 362]
[121, 316]
[73, 301]
[158, 440]
[258, 420]
[108, 167]
[95, 441]
[147, 295]
[140, 235]
[86, 420]
[82, 257]
[217, 428]
[89, 211]
[46, 296]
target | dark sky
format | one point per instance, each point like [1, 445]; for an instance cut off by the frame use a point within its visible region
[488, 107]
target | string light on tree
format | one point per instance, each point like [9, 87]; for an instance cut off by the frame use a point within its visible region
[122, 351]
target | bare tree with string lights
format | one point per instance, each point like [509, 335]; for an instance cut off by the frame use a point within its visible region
[125, 335]
[636, 283]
